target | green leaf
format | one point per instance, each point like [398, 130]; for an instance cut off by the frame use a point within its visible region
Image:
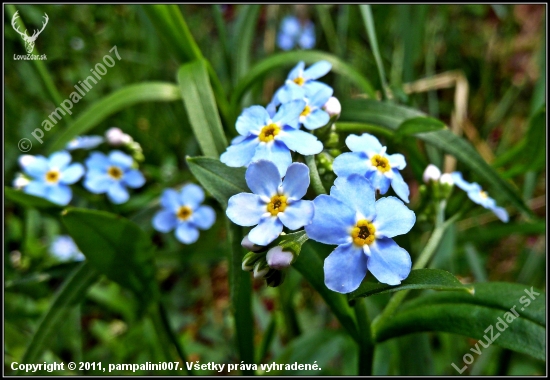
[392, 116]
[472, 315]
[71, 293]
[201, 108]
[418, 279]
[287, 60]
[28, 200]
[219, 179]
[310, 265]
[115, 102]
[243, 38]
[419, 125]
[116, 247]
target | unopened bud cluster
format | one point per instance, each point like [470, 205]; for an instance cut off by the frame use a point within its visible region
[116, 137]
[437, 187]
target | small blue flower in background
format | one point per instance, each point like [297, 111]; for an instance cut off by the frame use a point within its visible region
[368, 157]
[302, 83]
[51, 176]
[263, 137]
[274, 203]
[292, 32]
[84, 142]
[64, 248]
[363, 230]
[112, 174]
[477, 195]
[183, 211]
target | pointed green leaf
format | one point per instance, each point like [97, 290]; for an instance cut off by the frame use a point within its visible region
[116, 247]
[201, 108]
[392, 116]
[113, 103]
[490, 311]
[219, 179]
[418, 279]
[28, 200]
[419, 125]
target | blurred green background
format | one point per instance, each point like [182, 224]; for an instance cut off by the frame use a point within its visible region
[497, 50]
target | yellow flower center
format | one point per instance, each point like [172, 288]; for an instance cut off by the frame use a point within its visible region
[114, 172]
[381, 163]
[306, 111]
[184, 213]
[363, 233]
[483, 194]
[269, 132]
[277, 205]
[299, 81]
[52, 176]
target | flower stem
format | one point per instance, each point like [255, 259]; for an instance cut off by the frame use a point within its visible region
[423, 260]
[366, 347]
[314, 176]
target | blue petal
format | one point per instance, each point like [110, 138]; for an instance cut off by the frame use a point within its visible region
[501, 213]
[240, 154]
[165, 221]
[252, 119]
[36, 166]
[363, 143]
[345, 268]
[307, 39]
[72, 174]
[120, 159]
[332, 221]
[186, 233]
[97, 183]
[475, 195]
[284, 41]
[191, 195]
[289, 111]
[36, 188]
[245, 209]
[59, 160]
[317, 70]
[290, 26]
[461, 183]
[379, 181]
[269, 229]
[97, 160]
[350, 163]
[133, 178]
[392, 217]
[400, 186]
[316, 119]
[297, 214]
[204, 217]
[321, 95]
[291, 91]
[117, 193]
[60, 194]
[170, 200]
[356, 192]
[296, 71]
[84, 142]
[276, 152]
[397, 161]
[296, 181]
[388, 262]
[300, 141]
[263, 178]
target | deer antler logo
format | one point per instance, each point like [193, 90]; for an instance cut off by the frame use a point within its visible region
[29, 40]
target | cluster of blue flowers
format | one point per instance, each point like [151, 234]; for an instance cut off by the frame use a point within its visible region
[292, 32]
[50, 177]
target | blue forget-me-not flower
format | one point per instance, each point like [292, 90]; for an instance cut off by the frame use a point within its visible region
[313, 115]
[363, 230]
[112, 174]
[368, 157]
[183, 212]
[263, 137]
[292, 32]
[477, 195]
[302, 83]
[51, 176]
[84, 142]
[64, 248]
[274, 203]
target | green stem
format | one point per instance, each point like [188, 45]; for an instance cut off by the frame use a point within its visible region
[165, 323]
[40, 66]
[314, 176]
[420, 263]
[366, 347]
